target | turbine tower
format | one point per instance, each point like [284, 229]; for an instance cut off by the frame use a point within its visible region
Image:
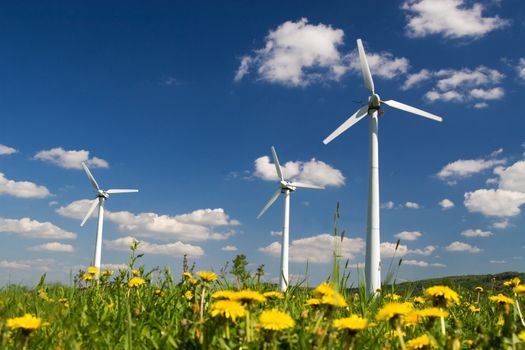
[102, 196]
[285, 188]
[373, 110]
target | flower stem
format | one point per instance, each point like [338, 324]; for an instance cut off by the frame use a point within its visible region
[400, 337]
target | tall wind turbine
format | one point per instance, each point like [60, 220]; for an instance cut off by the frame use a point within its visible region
[285, 187]
[373, 110]
[102, 196]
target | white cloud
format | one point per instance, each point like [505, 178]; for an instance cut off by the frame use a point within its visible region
[488, 94]
[448, 18]
[317, 249]
[388, 205]
[6, 150]
[195, 226]
[276, 233]
[41, 265]
[497, 262]
[416, 78]
[22, 189]
[172, 249]
[53, 247]
[16, 265]
[229, 248]
[447, 96]
[417, 263]
[462, 247]
[412, 205]
[115, 267]
[313, 172]
[501, 225]
[388, 249]
[383, 64]
[244, 68]
[446, 204]
[30, 228]
[481, 105]
[512, 178]
[463, 168]
[408, 235]
[476, 233]
[490, 202]
[429, 249]
[521, 68]
[70, 159]
[438, 265]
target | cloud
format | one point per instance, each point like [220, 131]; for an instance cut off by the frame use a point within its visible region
[388, 205]
[70, 159]
[446, 204]
[476, 233]
[521, 68]
[53, 247]
[30, 228]
[416, 78]
[481, 105]
[464, 168]
[276, 233]
[420, 263]
[512, 178]
[313, 172]
[16, 265]
[195, 226]
[429, 249]
[497, 262]
[176, 249]
[490, 202]
[299, 54]
[412, 205]
[6, 150]
[408, 235]
[462, 247]
[317, 249]
[41, 265]
[501, 225]
[22, 189]
[448, 18]
[388, 249]
[488, 94]
[229, 248]
[115, 267]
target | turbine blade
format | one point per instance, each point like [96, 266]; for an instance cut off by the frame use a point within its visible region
[90, 211]
[367, 76]
[270, 202]
[121, 191]
[277, 165]
[413, 110]
[303, 185]
[357, 116]
[90, 177]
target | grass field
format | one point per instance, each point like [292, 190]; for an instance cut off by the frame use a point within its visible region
[135, 309]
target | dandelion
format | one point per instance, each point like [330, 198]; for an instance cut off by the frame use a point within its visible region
[136, 282]
[273, 295]
[223, 294]
[432, 312]
[335, 299]
[248, 296]
[512, 282]
[419, 300]
[522, 336]
[393, 310]
[93, 270]
[519, 289]
[353, 323]
[392, 296]
[324, 288]
[474, 309]
[107, 273]
[187, 275]
[313, 301]
[135, 273]
[442, 295]
[422, 342]
[159, 293]
[501, 299]
[275, 320]
[207, 276]
[411, 319]
[479, 289]
[87, 277]
[188, 294]
[27, 322]
[228, 309]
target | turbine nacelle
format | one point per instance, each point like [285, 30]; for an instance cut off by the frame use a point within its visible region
[374, 102]
[102, 194]
[287, 185]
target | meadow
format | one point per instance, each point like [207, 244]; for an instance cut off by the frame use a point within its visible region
[135, 309]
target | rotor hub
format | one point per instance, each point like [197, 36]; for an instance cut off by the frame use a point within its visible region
[285, 185]
[374, 102]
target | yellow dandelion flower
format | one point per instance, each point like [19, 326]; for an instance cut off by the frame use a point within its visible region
[273, 295]
[474, 309]
[27, 322]
[422, 342]
[512, 282]
[411, 319]
[193, 280]
[501, 299]
[500, 322]
[313, 301]
[275, 320]
[393, 310]
[335, 299]
[353, 323]
[187, 275]
[432, 312]
[522, 336]
[468, 342]
[87, 277]
[207, 276]
[392, 334]
[419, 300]
[228, 309]
[93, 270]
[479, 289]
[136, 282]
[159, 293]
[42, 294]
[223, 294]
[442, 295]
[107, 273]
[110, 306]
[135, 273]
[324, 288]
[248, 295]
[519, 289]
[392, 296]
[188, 294]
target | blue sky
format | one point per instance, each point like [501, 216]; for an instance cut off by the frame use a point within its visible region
[184, 99]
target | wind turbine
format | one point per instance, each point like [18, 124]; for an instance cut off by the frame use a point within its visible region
[102, 196]
[285, 188]
[373, 110]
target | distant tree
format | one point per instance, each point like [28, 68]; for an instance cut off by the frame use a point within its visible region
[259, 273]
[239, 270]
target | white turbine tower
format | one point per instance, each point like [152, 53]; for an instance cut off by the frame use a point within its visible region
[102, 196]
[373, 110]
[285, 187]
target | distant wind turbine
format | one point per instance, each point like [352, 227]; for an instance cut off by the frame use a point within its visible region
[285, 187]
[373, 110]
[102, 196]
